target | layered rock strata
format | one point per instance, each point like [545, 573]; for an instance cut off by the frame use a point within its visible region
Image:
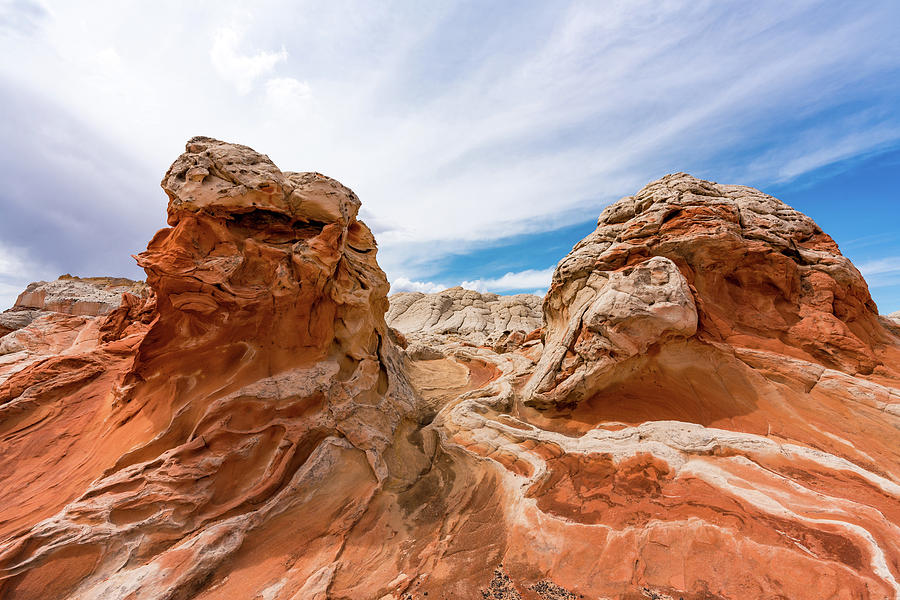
[470, 316]
[261, 399]
[714, 413]
[87, 296]
[79, 297]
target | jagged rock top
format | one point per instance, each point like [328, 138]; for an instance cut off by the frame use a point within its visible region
[680, 206]
[478, 317]
[222, 178]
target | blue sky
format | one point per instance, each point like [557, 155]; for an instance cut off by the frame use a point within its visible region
[483, 137]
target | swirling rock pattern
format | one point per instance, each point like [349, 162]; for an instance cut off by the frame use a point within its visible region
[710, 411]
[264, 371]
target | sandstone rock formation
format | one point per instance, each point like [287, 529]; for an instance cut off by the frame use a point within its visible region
[710, 411]
[61, 317]
[89, 296]
[85, 297]
[264, 392]
[477, 318]
[714, 377]
[764, 277]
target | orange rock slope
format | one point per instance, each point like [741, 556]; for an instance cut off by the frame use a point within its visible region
[711, 412]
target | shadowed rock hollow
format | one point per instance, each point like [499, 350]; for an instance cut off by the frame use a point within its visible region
[709, 410]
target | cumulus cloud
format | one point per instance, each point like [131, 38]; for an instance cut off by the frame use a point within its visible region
[239, 68]
[521, 280]
[402, 284]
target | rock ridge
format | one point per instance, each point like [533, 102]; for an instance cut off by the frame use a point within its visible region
[478, 318]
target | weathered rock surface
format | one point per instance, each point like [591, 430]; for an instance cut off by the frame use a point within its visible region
[713, 415]
[477, 318]
[765, 276]
[87, 296]
[261, 400]
[11, 320]
[711, 411]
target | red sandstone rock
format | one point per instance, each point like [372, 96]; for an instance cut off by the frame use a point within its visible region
[714, 415]
[265, 372]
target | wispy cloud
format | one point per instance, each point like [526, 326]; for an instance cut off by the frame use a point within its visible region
[462, 125]
[17, 270]
[21, 16]
[531, 280]
[287, 93]
[883, 272]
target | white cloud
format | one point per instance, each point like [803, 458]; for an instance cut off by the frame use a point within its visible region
[8, 294]
[521, 280]
[287, 93]
[402, 284]
[238, 68]
[21, 16]
[11, 262]
[882, 272]
[510, 282]
[537, 121]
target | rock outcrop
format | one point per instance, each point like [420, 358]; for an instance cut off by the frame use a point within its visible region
[717, 410]
[764, 277]
[86, 296]
[68, 295]
[261, 400]
[714, 413]
[709, 411]
[474, 317]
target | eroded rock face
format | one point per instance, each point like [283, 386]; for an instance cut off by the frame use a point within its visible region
[60, 316]
[86, 296]
[265, 374]
[619, 316]
[477, 318]
[763, 276]
[714, 376]
[710, 411]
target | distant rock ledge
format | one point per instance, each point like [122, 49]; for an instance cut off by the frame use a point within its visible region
[77, 296]
[474, 317]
